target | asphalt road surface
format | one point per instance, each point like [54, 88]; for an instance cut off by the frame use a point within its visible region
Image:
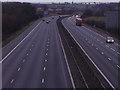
[102, 54]
[38, 60]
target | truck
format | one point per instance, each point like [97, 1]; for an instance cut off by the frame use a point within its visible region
[79, 21]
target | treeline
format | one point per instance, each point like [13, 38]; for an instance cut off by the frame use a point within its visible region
[95, 16]
[16, 15]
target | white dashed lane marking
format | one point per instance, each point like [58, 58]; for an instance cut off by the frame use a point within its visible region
[46, 60]
[109, 58]
[46, 54]
[102, 52]
[118, 53]
[19, 69]
[107, 46]
[112, 49]
[27, 54]
[43, 80]
[23, 60]
[12, 81]
[118, 66]
[44, 68]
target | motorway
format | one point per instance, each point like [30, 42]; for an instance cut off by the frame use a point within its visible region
[38, 60]
[103, 55]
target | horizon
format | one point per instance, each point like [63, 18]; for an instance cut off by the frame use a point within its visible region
[59, 1]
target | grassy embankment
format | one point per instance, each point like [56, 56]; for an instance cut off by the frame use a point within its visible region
[16, 34]
[99, 22]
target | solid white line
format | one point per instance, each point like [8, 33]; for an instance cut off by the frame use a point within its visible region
[19, 69]
[118, 66]
[12, 81]
[18, 44]
[67, 62]
[98, 34]
[91, 60]
[43, 80]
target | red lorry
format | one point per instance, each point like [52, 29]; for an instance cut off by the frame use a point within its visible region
[79, 21]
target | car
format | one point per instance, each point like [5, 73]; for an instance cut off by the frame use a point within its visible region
[110, 40]
[52, 17]
[48, 22]
[43, 20]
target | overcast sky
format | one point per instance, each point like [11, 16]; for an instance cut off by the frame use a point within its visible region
[63, 0]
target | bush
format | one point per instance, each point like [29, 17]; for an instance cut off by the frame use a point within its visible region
[16, 15]
[96, 21]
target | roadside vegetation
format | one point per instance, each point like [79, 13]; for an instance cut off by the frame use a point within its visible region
[16, 16]
[96, 21]
[95, 17]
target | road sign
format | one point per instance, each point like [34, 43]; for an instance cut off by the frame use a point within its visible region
[46, 12]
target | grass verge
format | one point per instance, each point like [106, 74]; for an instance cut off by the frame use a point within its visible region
[16, 34]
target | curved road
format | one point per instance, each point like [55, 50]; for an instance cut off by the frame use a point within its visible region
[104, 55]
[38, 60]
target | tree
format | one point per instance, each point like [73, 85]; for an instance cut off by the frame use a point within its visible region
[16, 15]
[87, 13]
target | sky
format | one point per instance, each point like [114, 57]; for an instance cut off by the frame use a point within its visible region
[40, 1]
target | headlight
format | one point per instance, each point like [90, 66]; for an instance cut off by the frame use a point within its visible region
[112, 40]
[108, 40]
